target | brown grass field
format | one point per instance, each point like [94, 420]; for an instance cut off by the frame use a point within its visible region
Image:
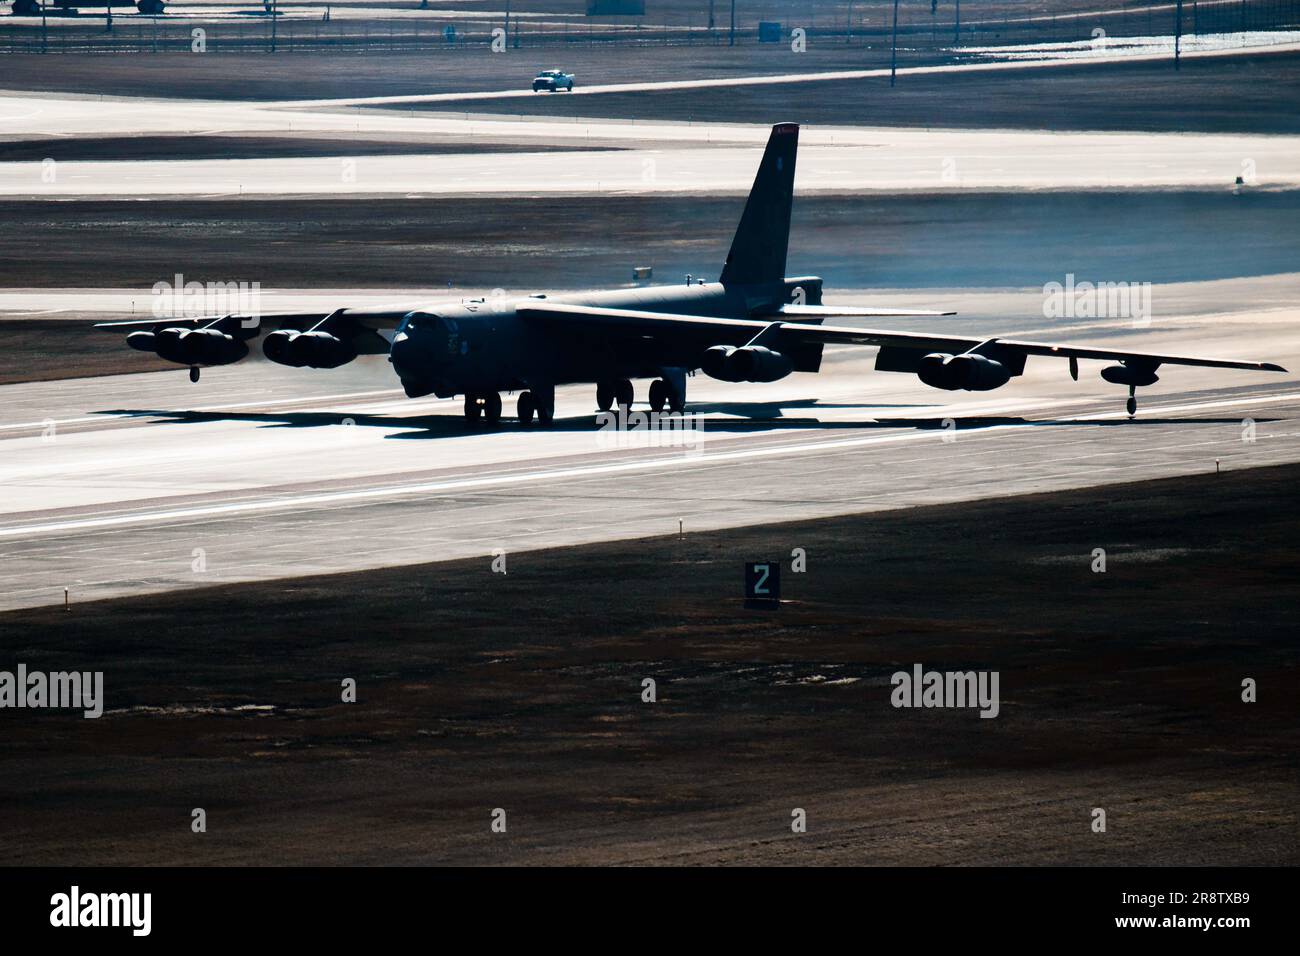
[477, 690]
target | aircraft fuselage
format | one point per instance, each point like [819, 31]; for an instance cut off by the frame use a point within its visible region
[483, 345]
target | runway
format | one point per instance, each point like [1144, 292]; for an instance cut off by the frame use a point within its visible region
[651, 158]
[127, 484]
[892, 162]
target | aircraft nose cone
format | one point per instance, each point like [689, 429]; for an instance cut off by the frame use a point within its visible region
[404, 353]
[410, 360]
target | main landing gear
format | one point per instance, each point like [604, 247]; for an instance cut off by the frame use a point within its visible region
[485, 405]
[617, 391]
[663, 394]
[541, 404]
[538, 402]
[620, 392]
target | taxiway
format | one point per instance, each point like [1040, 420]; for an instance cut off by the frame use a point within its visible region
[116, 485]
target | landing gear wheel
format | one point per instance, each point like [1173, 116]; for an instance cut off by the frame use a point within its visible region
[526, 408]
[492, 407]
[604, 396]
[541, 399]
[1132, 402]
[623, 393]
[472, 408]
[658, 395]
[194, 374]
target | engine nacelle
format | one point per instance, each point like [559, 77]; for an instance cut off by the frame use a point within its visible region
[1129, 375]
[749, 363]
[714, 363]
[971, 373]
[190, 346]
[308, 349]
[143, 341]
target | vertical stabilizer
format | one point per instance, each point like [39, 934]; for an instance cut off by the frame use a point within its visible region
[758, 250]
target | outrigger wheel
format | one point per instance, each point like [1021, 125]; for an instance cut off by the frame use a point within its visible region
[194, 373]
[1132, 401]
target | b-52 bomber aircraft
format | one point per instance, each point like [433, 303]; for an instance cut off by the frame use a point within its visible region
[755, 324]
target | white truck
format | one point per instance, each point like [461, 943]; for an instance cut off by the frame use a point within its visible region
[553, 81]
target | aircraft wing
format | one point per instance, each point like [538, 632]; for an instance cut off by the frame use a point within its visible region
[591, 320]
[597, 320]
[380, 317]
[254, 324]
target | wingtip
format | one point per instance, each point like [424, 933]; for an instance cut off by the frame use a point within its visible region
[1271, 367]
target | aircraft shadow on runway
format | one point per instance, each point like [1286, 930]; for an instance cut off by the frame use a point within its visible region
[453, 426]
[773, 410]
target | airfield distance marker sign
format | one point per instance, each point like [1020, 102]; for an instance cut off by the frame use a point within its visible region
[762, 584]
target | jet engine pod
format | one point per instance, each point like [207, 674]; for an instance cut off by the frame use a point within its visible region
[1130, 375]
[972, 373]
[276, 346]
[935, 370]
[714, 363]
[757, 363]
[323, 350]
[749, 363]
[143, 341]
[309, 349]
[194, 346]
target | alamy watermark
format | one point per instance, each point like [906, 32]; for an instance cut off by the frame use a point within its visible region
[180, 299]
[76, 908]
[616, 430]
[922, 688]
[1098, 300]
[83, 690]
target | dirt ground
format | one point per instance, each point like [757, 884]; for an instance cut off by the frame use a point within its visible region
[128, 148]
[477, 690]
